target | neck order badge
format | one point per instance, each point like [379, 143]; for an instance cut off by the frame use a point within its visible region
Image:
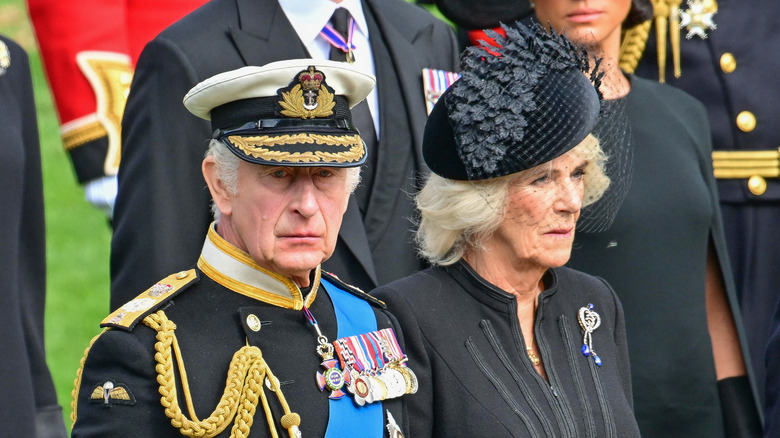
[340, 36]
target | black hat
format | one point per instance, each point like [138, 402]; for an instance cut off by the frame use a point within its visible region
[514, 107]
[523, 103]
[287, 113]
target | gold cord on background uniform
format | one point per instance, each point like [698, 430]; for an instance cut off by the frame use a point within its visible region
[666, 14]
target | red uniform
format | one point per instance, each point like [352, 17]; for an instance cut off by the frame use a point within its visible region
[89, 48]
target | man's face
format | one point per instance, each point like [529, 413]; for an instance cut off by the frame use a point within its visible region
[286, 218]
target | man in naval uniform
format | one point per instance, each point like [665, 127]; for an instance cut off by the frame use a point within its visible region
[162, 148]
[256, 340]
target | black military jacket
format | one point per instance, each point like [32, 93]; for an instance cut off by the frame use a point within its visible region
[220, 311]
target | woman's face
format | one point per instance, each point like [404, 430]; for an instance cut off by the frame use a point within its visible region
[586, 20]
[541, 210]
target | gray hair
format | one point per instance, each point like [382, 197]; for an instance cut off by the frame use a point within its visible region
[457, 215]
[226, 164]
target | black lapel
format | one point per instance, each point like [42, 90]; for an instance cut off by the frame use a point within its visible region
[353, 233]
[407, 65]
[265, 33]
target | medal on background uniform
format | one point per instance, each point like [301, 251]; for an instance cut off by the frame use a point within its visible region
[698, 18]
[435, 83]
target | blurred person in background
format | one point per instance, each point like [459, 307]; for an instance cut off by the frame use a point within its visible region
[89, 49]
[723, 54]
[28, 401]
[665, 254]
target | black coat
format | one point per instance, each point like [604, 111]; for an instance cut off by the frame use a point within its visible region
[654, 255]
[748, 31]
[162, 193]
[464, 342]
[212, 313]
[28, 401]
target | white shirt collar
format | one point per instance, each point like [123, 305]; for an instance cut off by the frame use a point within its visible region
[309, 17]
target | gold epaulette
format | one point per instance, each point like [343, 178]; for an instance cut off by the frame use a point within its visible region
[127, 316]
[667, 19]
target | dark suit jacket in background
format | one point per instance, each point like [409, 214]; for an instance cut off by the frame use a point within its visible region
[28, 402]
[162, 209]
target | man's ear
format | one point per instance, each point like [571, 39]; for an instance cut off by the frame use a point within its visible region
[219, 193]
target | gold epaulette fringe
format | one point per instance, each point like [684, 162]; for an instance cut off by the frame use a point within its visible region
[633, 45]
[243, 389]
[666, 14]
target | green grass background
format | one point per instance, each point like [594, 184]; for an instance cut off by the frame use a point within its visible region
[77, 234]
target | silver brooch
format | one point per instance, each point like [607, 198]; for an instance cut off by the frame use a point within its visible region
[589, 321]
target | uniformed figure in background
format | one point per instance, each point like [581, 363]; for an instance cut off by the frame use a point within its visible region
[28, 402]
[727, 60]
[160, 171]
[89, 49]
[257, 336]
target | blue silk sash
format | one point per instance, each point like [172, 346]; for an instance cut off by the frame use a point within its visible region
[346, 419]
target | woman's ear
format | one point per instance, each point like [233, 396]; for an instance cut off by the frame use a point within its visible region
[219, 193]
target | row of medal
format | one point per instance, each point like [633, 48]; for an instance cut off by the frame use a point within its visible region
[374, 368]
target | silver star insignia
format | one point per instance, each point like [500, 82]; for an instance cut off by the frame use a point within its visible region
[697, 19]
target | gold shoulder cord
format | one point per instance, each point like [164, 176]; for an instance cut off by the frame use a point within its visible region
[74, 395]
[666, 13]
[633, 45]
[238, 404]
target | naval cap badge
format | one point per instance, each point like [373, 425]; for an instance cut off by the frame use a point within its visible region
[308, 97]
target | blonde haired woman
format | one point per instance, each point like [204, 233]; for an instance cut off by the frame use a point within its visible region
[504, 340]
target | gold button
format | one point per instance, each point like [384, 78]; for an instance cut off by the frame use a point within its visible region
[746, 121]
[182, 274]
[728, 63]
[253, 322]
[757, 185]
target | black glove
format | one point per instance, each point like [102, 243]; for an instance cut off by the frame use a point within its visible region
[740, 414]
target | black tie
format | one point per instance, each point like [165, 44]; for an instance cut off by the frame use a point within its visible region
[361, 116]
[340, 22]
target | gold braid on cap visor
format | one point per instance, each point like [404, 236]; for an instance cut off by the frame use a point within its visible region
[345, 149]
